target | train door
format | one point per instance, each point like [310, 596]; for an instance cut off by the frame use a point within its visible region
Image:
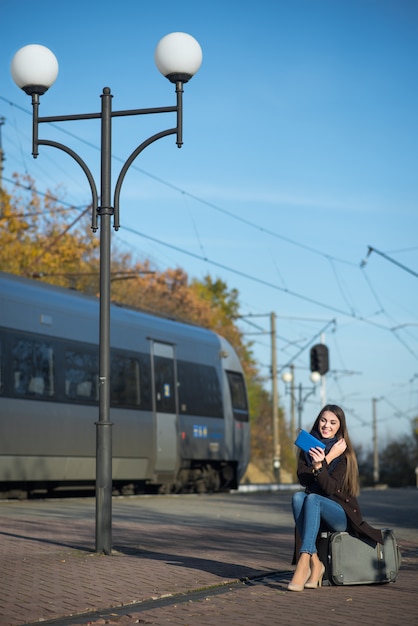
[240, 413]
[165, 407]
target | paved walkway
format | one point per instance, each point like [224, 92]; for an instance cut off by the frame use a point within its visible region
[176, 573]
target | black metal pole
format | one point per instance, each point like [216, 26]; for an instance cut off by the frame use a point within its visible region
[104, 426]
[104, 211]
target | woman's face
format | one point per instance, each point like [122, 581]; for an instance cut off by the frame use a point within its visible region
[329, 425]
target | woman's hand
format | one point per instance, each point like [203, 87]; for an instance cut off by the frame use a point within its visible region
[317, 455]
[337, 450]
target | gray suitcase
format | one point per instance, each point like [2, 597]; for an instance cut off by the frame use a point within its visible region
[349, 560]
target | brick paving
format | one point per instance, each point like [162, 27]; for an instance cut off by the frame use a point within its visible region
[49, 571]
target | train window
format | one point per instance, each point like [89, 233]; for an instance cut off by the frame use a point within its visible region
[145, 381]
[238, 396]
[199, 390]
[81, 376]
[33, 367]
[124, 381]
[164, 385]
[47, 368]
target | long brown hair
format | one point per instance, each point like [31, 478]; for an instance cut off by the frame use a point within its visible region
[351, 484]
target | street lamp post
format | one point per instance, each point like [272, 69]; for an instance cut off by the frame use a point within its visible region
[34, 69]
[288, 377]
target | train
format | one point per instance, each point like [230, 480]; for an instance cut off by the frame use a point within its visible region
[178, 398]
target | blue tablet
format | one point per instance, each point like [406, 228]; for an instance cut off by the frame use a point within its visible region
[306, 441]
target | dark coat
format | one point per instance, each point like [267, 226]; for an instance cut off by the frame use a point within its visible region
[330, 483]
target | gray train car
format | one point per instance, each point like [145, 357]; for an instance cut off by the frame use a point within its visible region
[178, 399]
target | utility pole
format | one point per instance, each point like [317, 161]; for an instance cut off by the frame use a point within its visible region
[2, 158]
[2, 120]
[292, 403]
[376, 474]
[275, 400]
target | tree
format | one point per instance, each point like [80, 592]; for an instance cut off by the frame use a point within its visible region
[42, 239]
[163, 293]
[397, 462]
[224, 307]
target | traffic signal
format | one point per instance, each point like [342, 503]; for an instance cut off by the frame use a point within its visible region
[319, 359]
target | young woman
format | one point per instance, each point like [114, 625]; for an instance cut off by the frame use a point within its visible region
[331, 481]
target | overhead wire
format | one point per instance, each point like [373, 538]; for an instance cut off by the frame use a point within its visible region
[388, 258]
[47, 196]
[337, 280]
[261, 281]
[194, 197]
[330, 258]
[266, 283]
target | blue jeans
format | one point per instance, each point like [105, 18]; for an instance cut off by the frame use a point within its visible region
[309, 510]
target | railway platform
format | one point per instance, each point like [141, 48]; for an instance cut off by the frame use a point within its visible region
[195, 561]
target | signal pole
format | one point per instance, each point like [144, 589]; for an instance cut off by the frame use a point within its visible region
[323, 389]
[376, 473]
[275, 400]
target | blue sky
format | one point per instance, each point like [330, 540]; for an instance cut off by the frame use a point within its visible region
[300, 151]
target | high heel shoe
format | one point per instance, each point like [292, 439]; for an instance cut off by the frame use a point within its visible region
[315, 583]
[294, 587]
